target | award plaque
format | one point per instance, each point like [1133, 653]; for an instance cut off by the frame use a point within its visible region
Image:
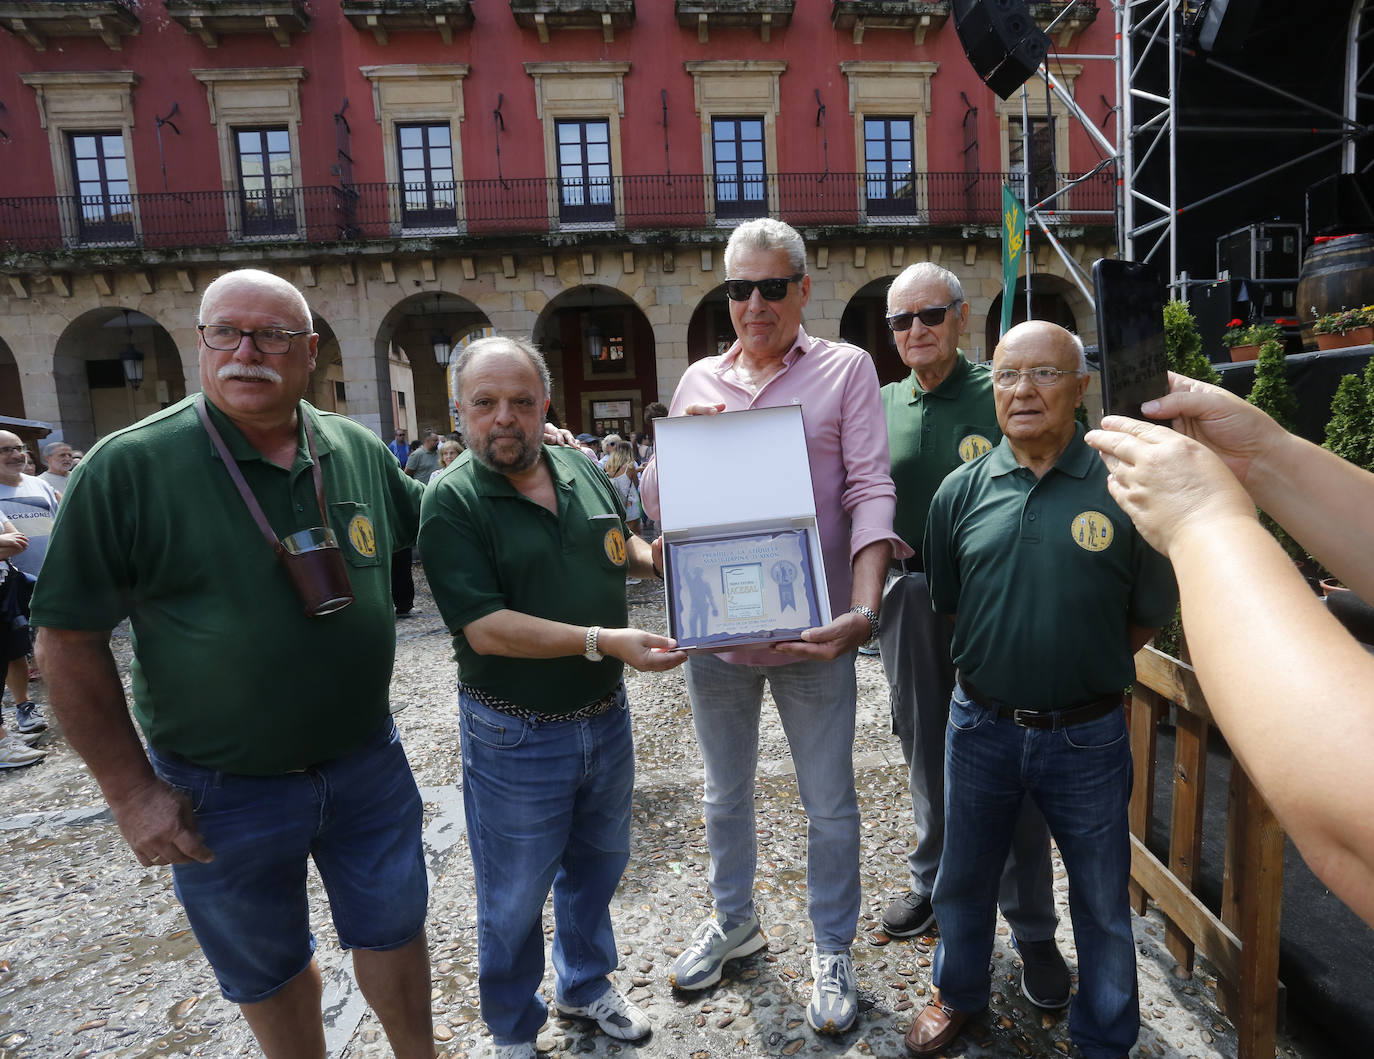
[755, 588]
[741, 552]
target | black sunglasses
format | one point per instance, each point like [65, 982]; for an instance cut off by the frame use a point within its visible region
[932, 317]
[773, 290]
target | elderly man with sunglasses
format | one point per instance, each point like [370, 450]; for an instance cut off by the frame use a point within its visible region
[1051, 591]
[939, 418]
[264, 702]
[775, 362]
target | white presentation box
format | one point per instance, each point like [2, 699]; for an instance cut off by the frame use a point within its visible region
[741, 553]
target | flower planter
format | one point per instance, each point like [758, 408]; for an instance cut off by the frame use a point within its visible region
[1356, 336]
[1244, 352]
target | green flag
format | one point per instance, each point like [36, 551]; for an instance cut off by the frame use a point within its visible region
[1013, 246]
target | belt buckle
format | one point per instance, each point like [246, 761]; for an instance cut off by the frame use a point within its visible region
[1025, 718]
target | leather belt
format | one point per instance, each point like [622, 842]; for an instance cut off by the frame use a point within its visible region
[525, 713]
[1047, 720]
[914, 565]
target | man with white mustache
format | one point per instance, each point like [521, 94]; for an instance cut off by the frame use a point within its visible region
[236, 788]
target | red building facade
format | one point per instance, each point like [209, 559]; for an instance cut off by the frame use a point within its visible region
[566, 170]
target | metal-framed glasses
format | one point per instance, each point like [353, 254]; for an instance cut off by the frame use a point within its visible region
[932, 317]
[6, 450]
[773, 290]
[272, 341]
[1044, 377]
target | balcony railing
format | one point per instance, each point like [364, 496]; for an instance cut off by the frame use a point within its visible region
[527, 206]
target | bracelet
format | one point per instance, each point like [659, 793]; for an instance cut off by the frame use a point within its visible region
[870, 614]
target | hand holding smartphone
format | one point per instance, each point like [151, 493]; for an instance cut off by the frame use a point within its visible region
[1130, 334]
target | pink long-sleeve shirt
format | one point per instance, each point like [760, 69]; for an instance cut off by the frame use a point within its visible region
[846, 445]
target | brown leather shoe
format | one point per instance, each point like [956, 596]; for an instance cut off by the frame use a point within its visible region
[935, 1028]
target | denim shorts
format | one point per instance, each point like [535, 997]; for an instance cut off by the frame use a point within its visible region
[359, 816]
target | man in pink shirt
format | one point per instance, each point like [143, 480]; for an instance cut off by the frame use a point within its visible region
[775, 362]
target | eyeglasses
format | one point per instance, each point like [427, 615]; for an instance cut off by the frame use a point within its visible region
[5, 450]
[932, 317]
[1010, 378]
[271, 341]
[773, 290]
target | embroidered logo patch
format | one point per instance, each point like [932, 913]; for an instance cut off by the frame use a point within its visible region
[362, 536]
[1092, 531]
[972, 446]
[614, 543]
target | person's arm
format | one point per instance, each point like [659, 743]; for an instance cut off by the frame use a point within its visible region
[848, 631]
[12, 542]
[511, 634]
[1312, 493]
[87, 698]
[1289, 688]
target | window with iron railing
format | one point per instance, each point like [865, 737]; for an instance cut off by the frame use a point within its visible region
[100, 177]
[889, 187]
[741, 175]
[266, 198]
[584, 171]
[425, 165]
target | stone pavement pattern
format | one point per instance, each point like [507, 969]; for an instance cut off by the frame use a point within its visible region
[96, 958]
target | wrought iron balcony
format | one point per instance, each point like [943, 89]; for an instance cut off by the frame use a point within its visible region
[486, 210]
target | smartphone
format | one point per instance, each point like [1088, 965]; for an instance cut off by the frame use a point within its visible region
[1130, 334]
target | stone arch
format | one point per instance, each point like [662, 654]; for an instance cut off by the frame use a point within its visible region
[602, 357]
[1053, 298]
[93, 398]
[11, 392]
[710, 332]
[864, 323]
[405, 340]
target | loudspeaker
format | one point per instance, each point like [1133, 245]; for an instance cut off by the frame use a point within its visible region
[1226, 24]
[1001, 40]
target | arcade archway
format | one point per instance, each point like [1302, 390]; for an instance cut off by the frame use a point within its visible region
[94, 397]
[407, 340]
[601, 354]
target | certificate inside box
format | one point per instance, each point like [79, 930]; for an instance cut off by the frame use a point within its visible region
[754, 587]
[742, 555]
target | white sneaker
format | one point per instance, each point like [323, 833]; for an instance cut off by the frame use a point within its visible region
[14, 754]
[523, 1050]
[614, 1012]
[834, 997]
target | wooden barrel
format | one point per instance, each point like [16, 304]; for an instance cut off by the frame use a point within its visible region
[1336, 274]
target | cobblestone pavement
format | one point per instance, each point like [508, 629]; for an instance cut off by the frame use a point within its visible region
[96, 958]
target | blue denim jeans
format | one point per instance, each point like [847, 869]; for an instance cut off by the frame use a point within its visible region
[816, 702]
[1080, 777]
[359, 817]
[547, 806]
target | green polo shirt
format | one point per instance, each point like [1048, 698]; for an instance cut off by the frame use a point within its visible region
[1045, 576]
[227, 670]
[487, 547]
[931, 432]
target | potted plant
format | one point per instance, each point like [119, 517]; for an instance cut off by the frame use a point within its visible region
[1350, 435]
[1244, 340]
[1348, 327]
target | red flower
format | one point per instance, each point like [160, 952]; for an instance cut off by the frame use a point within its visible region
[1236, 323]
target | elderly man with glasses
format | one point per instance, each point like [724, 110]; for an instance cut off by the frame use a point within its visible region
[939, 418]
[264, 701]
[1051, 591]
[775, 362]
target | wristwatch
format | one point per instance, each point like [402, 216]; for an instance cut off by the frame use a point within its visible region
[870, 614]
[591, 654]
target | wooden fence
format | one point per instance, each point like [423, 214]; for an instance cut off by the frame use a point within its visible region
[1243, 943]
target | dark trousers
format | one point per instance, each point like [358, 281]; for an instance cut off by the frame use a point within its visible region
[402, 583]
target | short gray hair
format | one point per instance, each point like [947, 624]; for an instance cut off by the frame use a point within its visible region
[490, 344]
[51, 447]
[262, 279]
[928, 271]
[766, 235]
[1082, 353]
